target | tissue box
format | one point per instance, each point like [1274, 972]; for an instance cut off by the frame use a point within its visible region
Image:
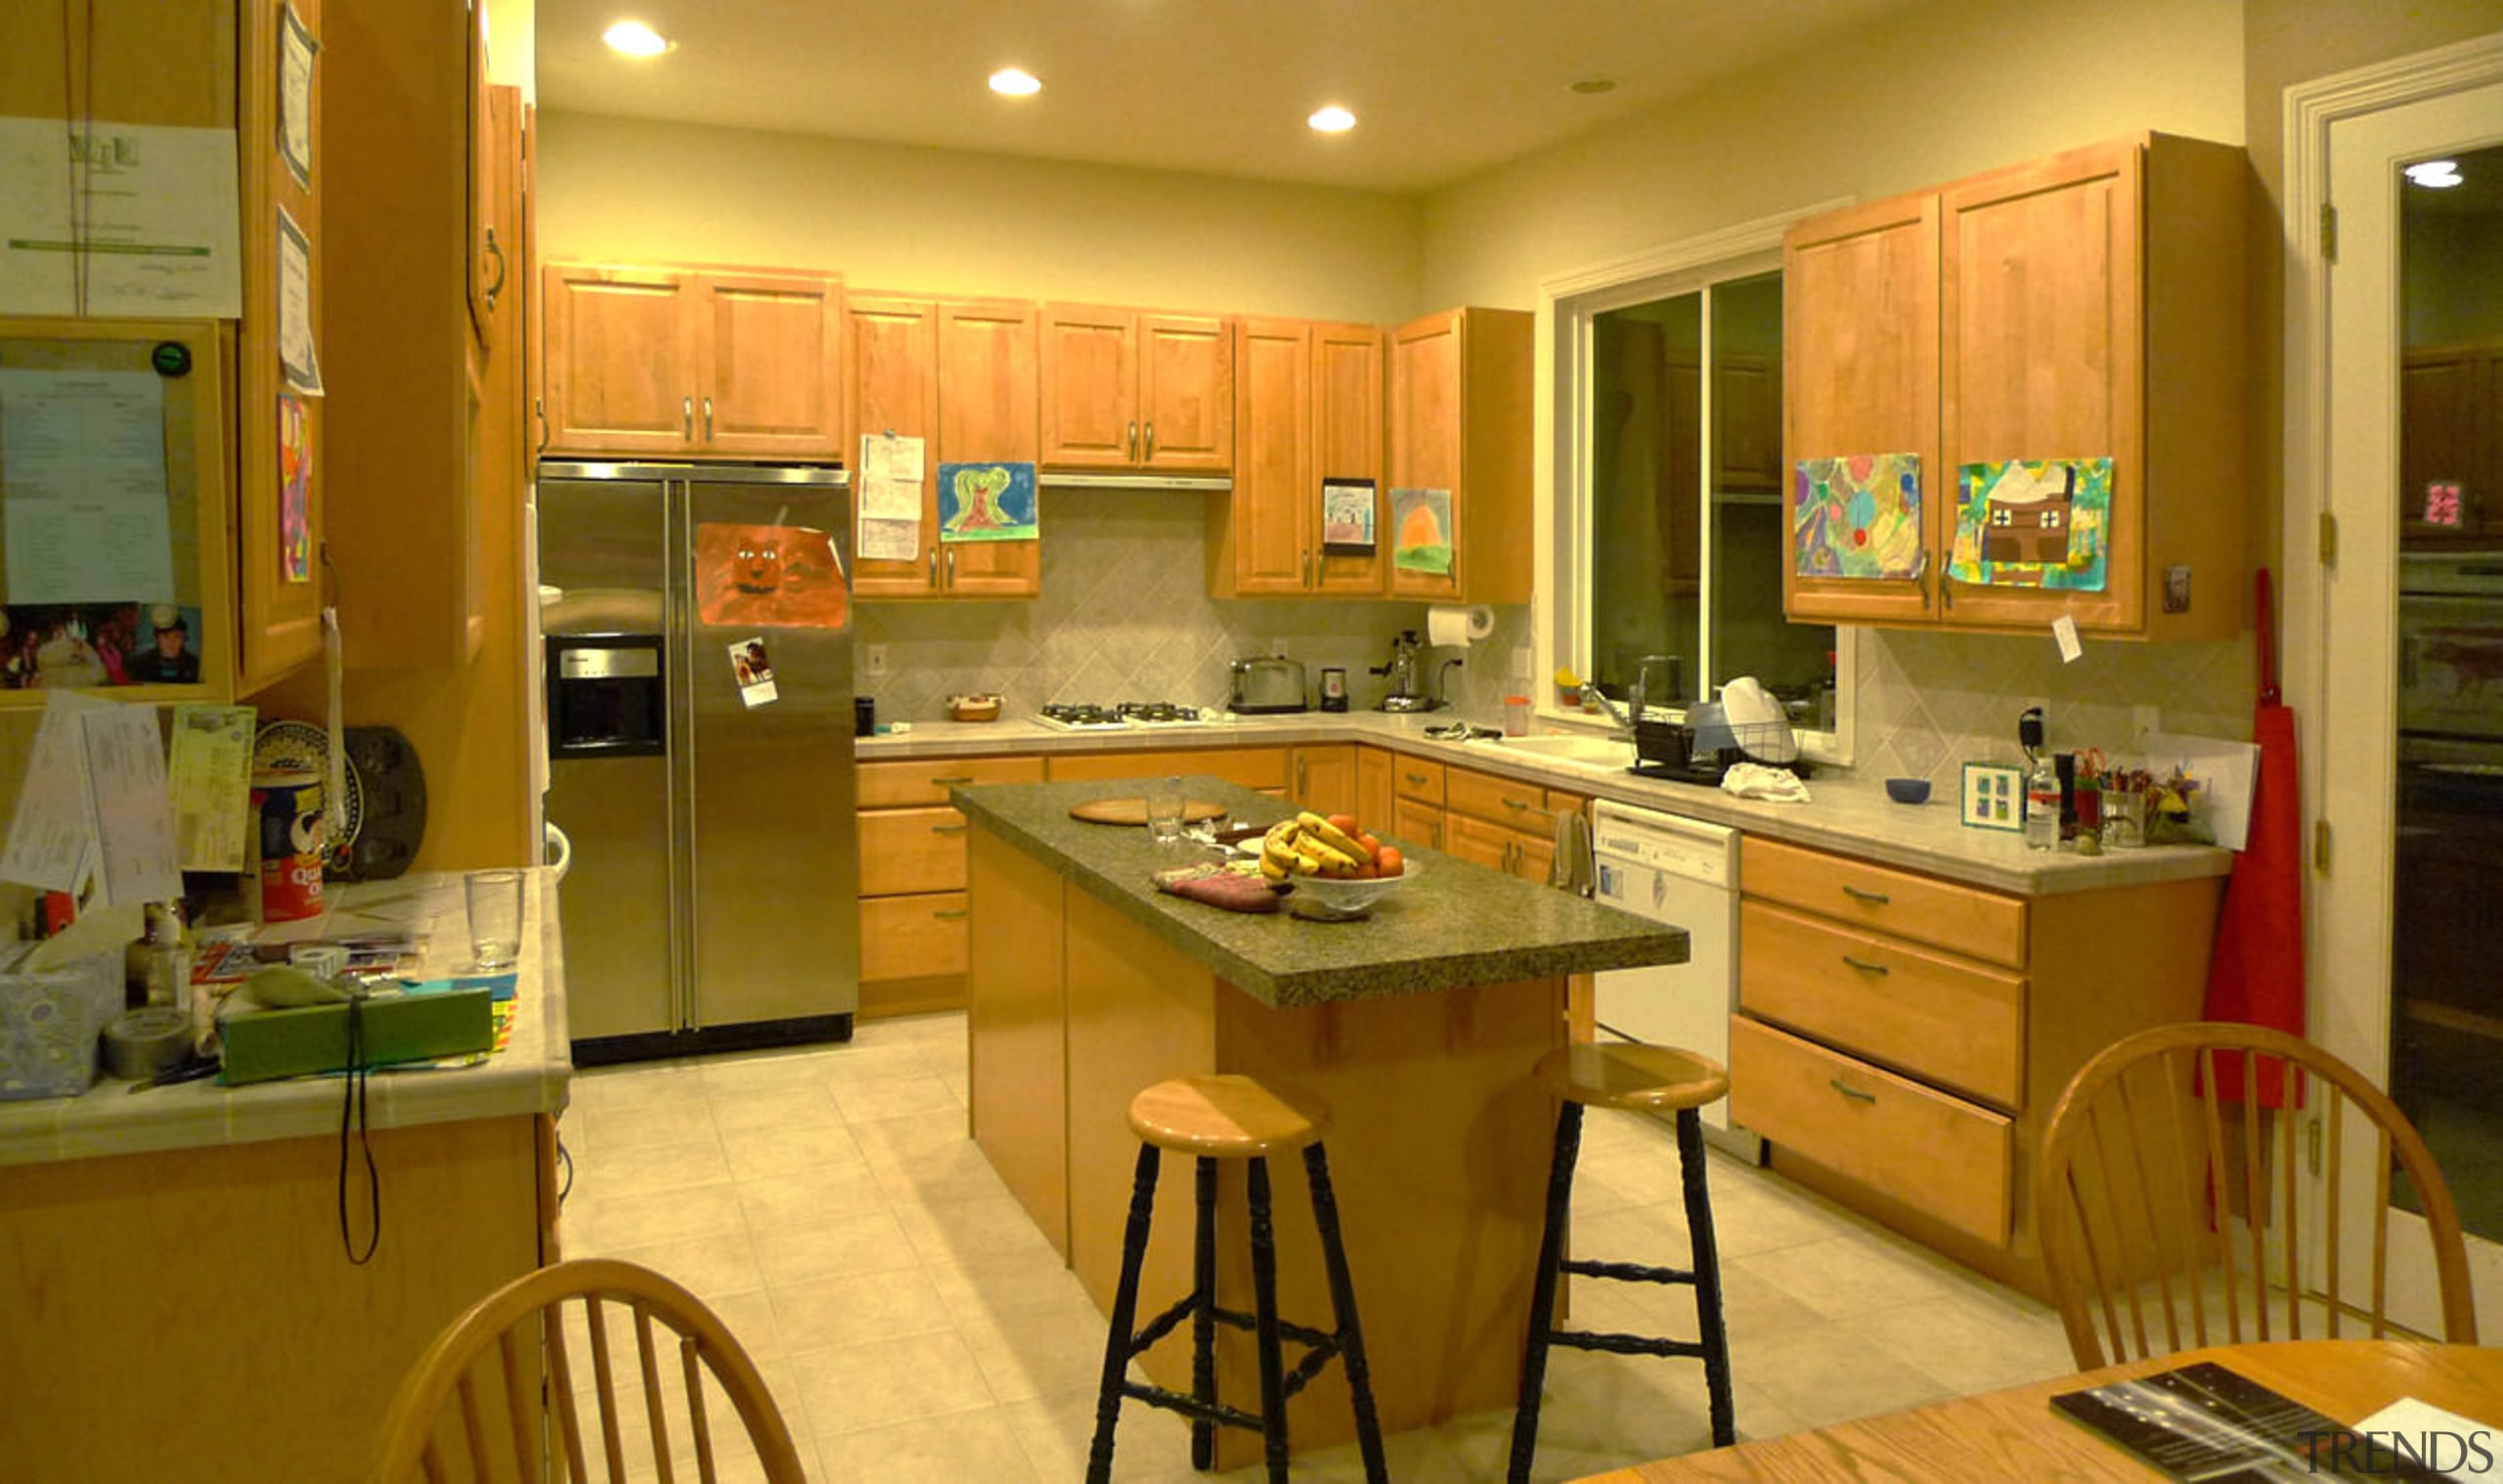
[262, 1044]
[51, 1022]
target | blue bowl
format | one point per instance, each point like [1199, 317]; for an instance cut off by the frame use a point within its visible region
[1908, 789]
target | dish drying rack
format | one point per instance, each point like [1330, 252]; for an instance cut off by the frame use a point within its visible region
[1678, 749]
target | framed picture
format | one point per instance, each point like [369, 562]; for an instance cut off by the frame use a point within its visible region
[1994, 797]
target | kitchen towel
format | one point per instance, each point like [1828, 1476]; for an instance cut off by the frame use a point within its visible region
[1573, 868]
[1218, 886]
[1451, 626]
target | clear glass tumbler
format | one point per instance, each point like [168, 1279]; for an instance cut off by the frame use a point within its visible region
[495, 917]
[1164, 803]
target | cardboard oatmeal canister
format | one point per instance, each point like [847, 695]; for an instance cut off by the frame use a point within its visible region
[289, 839]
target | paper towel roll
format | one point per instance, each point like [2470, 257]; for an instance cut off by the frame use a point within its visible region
[1452, 626]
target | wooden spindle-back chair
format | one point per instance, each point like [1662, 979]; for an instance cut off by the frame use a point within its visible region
[2166, 1212]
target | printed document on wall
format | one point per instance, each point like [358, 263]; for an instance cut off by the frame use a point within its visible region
[82, 486]
[145, 214]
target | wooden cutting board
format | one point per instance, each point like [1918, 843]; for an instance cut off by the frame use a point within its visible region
[1134, 811]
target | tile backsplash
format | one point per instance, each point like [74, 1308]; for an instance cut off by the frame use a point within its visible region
[1124, 615]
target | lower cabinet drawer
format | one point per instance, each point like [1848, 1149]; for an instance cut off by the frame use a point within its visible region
[1942, 1019]
[1912, 1144]
[912, 937]
[912, 850]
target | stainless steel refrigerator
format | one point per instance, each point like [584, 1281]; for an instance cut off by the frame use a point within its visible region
[698, 688]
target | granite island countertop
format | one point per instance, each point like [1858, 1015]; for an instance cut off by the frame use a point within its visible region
[1457, 924]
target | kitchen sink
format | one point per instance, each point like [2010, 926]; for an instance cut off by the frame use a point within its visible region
[1567, 747]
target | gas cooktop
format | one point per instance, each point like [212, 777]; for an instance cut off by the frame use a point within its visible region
[1065, 717]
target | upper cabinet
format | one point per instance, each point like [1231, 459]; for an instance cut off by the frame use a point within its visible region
[960, 376]
[2450, 446]
[681, 363]
[1460, 439]
[2087, 305]
[1307, 414]
[1133, 392]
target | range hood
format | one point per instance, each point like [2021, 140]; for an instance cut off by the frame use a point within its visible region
[1050, 479]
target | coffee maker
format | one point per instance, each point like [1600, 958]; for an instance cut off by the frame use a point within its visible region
[1403, 693]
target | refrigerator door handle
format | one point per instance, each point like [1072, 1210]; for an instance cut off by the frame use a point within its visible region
[680, 504]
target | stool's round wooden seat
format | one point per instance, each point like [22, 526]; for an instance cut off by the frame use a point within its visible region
[1226, 1117]
[1644, 1078]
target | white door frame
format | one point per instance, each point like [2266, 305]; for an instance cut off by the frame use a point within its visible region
[2338, 1019]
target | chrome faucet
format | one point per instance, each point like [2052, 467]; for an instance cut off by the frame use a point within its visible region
[1622, 717]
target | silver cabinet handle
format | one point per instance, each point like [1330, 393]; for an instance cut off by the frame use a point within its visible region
[1860, 893]
[1849, 1091]
[1132, 445]
[1417, 778]
[1151, 443]
[934, 567]
[952, 566]
[1864, 966]
[686, 418]
[947, 829]
[952, 914]
[708, 419]
[494, 251]
[540, 409]
[1305, 581]
[950, 782]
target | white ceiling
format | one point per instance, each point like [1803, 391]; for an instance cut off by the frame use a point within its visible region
[1443, 89]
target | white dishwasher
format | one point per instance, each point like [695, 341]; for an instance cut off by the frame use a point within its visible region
[1682, 872]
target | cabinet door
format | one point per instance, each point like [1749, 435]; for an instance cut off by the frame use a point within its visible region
[1417, 823]
[772, 366]
[2042, 356]
[1425, 446]
[1186, 393]
[1323, 778]
[1272, 513]
[1479, 842]
[621, 356]
[891, 346]
[1090, 387]
[1346, 445]
[986, 411]
[2440, 402]
[1373, 788]
[1746, 424]
[1871, 390]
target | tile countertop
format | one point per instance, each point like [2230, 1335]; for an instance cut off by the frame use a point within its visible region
[530, 1075]
[1454, 926]
[1844, 813]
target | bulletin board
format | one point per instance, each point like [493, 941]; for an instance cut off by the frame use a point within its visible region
[115, 576]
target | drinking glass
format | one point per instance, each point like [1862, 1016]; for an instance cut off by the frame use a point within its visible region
[2124, 818]
[1165, 811]
[495, 917]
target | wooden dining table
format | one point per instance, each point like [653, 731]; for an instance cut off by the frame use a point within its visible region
[2017, 1434]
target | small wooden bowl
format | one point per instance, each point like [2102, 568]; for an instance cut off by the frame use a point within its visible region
[974, 707]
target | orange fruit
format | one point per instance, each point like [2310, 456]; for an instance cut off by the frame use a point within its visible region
[1372, 846]
[1345, 824]
[1388, 861]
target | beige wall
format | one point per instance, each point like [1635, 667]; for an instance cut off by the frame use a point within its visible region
[948, 222]
[1923, 97]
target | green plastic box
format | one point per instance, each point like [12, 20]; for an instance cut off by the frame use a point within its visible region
[398, 1027]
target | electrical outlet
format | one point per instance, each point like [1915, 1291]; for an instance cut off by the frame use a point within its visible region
[2144, 720]
[2044, 704]
[873, 659]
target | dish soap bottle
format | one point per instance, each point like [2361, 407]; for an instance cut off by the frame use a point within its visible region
[2041, 783]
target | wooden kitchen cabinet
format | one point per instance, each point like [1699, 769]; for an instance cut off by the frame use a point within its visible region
[2089, 304]
[959, 374]
[1264, 769]
[1900, 1037]
[694, 363]
[1460, 422]
[1504, 822]
[912, 877]
[2450, 433]
[1373, 788]
[1136, 391]
[1323, 778]
[1308, 403]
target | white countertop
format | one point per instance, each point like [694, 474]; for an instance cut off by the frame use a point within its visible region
[530, 1075]
[1844, 812]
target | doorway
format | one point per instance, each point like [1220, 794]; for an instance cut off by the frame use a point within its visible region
[2369, 324]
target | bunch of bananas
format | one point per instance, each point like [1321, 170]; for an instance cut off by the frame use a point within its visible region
[1309, 845]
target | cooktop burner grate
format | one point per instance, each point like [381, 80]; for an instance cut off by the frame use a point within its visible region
[1081, 716]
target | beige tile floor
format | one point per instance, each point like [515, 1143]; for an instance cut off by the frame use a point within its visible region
[915, 1325]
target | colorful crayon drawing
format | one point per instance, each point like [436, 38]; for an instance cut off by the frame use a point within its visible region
[1857, 517]
[1420, 529]
[986, 501]
[2032, 523]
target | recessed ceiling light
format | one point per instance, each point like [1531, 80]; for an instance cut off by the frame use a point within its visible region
[1015, 82]
[2435, 172]
[1333, 119]
[635, 40]
[1593, 86]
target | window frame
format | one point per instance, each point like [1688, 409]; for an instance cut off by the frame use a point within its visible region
[1568, 306]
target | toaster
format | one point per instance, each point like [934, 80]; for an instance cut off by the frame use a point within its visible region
[1266, 685]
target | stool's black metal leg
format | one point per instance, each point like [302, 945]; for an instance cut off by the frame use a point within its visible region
[1264, 1309]
[1123, 1319]
[1707, 1277]
[1204, 1315]
[1342, 1306]
[1542, 1298]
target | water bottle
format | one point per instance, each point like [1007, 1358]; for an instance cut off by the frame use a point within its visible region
[2043, 806]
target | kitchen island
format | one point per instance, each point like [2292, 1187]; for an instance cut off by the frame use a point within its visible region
[1418, 1026]
[179, 1301]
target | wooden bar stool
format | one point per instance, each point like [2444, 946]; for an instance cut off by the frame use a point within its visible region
[1231, 1118]
[1648, 1079]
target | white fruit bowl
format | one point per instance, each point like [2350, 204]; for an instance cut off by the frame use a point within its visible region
[1335, 898]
